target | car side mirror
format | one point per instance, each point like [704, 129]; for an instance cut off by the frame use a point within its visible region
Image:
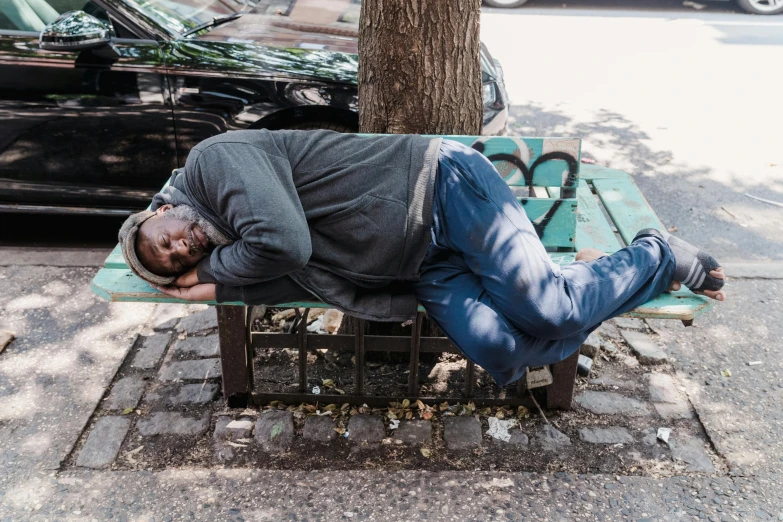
[75, 31]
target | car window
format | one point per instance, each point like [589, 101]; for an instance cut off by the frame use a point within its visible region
[34, 15]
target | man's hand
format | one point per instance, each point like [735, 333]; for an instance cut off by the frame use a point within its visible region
[186, 280]
[202, 292]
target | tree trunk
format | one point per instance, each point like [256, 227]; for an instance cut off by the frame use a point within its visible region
[419, 67]
[419, 73]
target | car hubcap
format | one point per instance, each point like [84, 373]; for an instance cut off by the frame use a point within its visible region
[766, 5]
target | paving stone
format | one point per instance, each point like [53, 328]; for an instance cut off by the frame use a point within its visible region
[690, 451]
[201, 393]
[191, 370]
[152, 349]
[645, 348]
[551, 439]
[319, 428]
[126, 393]
[609, 380]
[164, 423]
[591, 346]
[103, 442]
[198, 323]
[629, 323]
[366, 428]
[608, 329]
[610, 435]
[662, 388]
[275, 430]
[681, 410]
[166, 315]
[206, 346]
[223, 453]
[226, 428]
[461, 432]
[610, 403]
[416, 431]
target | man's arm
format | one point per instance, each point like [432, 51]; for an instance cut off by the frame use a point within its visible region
[277, 291]
[254, 192]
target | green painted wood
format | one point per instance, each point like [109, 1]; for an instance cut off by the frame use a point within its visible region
[683, 305]
[552, 173]
[592, 229]
[556, 216]
[120, 284]
[591, 172]
[626, 205]
[115, 259]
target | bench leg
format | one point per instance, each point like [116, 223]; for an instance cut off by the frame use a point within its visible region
[413, 366]
[236, 357]
[560, 393]
[359, 354]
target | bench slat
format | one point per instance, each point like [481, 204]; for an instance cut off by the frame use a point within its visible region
[626, 205]
[592, 229]
[557, 217]
[115, 259]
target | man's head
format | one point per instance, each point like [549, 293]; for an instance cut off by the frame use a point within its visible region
[159, 246]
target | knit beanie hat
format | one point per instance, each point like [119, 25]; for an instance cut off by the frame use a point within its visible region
[128, 233]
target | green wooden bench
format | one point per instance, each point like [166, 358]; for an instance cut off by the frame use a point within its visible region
[571, 205]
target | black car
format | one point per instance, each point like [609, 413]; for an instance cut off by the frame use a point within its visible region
[100, 100]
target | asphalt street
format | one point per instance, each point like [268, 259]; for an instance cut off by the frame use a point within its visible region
[687, 101]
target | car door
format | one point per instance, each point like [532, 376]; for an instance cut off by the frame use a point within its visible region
[87, 131]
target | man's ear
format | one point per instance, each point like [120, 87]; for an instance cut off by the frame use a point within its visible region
[164, 208]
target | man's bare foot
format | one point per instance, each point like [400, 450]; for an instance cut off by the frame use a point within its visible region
[718, 295]
[589, 254]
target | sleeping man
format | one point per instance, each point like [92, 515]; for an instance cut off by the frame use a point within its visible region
[375, 225]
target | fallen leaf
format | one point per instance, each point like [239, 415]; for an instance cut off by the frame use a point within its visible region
[408, 414]
[406, 403]
[427, 415]
[234, 444]
[726, 372]
[328, 383]
[338, 390]
[340, 431]
[419, 404]
[391, 415]
[345, 407]
[443, 406]
[127, 411]
[426, 452]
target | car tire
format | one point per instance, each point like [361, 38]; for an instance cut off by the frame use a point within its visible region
[756, 7]
[321, 125]
[508, 4]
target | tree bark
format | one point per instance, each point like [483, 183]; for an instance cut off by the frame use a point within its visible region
[419, 73]
[419, 67]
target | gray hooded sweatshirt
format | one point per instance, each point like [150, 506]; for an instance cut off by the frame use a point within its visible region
[340, 217]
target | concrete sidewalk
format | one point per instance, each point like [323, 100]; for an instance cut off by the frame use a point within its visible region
[70, 345]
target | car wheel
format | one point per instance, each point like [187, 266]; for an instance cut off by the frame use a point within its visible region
[505, 3]
[762, 7]
[322, 125]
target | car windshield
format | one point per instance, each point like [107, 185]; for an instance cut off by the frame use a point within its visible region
[179, 16]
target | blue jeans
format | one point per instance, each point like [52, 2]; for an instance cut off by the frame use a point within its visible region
[489, 284]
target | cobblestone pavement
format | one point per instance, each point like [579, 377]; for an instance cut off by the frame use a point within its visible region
[164, 410]
[91, 427]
